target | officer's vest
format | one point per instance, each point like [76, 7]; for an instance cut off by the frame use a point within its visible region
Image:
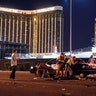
[61, 59]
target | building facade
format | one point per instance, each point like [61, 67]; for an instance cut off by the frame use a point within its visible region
[38, 31]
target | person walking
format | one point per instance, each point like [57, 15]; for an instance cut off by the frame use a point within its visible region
[14, 60]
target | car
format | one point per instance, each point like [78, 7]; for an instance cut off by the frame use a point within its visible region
[81, 68]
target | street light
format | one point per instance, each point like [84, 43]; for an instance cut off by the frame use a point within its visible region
[70, 27]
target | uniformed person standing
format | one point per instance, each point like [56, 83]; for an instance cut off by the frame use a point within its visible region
[71, 61]
[61, 61]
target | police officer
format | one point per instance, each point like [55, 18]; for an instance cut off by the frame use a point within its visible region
[61, 60]
[68, 71]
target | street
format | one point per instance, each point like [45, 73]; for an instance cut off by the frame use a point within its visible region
[28, 84]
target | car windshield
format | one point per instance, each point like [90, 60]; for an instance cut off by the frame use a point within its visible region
[80, 60]
[52, 61]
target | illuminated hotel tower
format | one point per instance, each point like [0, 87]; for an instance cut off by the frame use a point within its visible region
[41, 29]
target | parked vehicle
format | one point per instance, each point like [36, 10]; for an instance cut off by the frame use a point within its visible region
[80, 68]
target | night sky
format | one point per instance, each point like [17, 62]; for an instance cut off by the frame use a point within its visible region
[83, 14]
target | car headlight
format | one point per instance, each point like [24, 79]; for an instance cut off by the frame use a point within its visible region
[31, 67]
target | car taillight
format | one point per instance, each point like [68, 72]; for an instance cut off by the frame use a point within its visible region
[85, 66]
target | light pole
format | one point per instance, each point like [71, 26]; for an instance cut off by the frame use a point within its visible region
[70, 27]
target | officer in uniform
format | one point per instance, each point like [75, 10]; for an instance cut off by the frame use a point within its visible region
[61, 61]
[68, 71]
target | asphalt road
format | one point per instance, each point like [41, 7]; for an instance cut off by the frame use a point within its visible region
[26, 84]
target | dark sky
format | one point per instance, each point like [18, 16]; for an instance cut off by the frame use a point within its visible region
[84, 12]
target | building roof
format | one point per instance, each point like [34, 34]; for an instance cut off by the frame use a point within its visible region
[42, 10]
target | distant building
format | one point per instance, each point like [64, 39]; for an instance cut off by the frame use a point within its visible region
[34, 31]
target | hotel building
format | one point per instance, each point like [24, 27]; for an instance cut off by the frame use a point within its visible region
[33, 31]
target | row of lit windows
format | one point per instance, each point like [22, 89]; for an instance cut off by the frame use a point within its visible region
[41, 31]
